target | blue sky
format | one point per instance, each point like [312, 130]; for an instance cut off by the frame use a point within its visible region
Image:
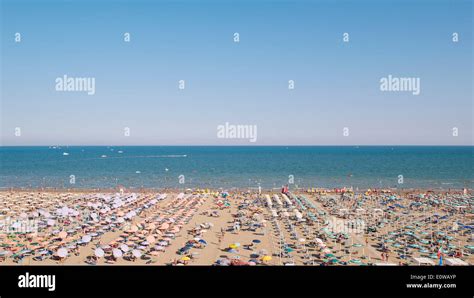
[336, 83]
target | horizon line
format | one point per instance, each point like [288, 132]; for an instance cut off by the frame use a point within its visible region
[239, 145]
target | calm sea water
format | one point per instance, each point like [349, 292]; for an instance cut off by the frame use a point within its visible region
[156, 167]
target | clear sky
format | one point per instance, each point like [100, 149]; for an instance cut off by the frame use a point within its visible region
[337, 84]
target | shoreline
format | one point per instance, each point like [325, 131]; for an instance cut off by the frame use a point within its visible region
[235, 189]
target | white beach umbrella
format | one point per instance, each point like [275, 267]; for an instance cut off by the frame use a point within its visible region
[124, 247]
[86, 238]
[136, 253]
[63, 211]
[117, 253]
[99, 252]
[62, 252]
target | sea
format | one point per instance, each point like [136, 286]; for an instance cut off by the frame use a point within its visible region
[227, 167]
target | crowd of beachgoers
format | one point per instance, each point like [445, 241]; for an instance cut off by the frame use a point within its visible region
[316, 227]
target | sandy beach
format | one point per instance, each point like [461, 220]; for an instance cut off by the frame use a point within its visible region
[314, 227]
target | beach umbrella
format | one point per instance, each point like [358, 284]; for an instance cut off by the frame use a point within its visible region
[136, 253]
[86, 238]
[124, 247]
[4, 253]
[266, 258]
[117, 253]
[202, 241]
[251, 263]
[99, 252]
[223, 262]
[185, 258]
[150, 239]
[62, 252]
[232, 246]
[355, 261]
[256, 241]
